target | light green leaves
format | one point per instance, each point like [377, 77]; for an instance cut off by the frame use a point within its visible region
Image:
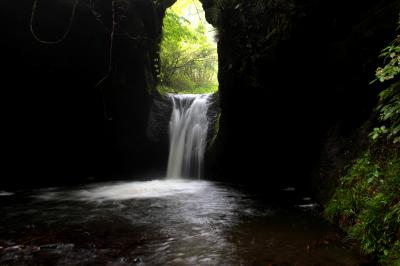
[389, 98]
[188, 59]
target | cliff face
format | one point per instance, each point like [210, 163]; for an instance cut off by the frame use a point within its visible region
[290, 71]
[59, 120]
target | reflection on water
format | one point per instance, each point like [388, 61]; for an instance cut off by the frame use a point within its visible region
[171, 222]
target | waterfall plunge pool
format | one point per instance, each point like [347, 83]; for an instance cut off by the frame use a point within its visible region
[162, 222]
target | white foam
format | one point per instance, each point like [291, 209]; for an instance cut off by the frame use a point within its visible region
[128, 190]
[5, 193]
[188, 128]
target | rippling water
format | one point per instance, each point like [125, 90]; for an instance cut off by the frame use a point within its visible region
[161, 222]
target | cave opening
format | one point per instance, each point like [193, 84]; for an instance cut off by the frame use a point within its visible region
[188, 58]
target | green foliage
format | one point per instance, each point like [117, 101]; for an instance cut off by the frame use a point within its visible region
[393, 255]
[367, 203]
[348, 200]
[377, 132]
[188, 58]
[389, 98]
[196, 90]
[392, 67]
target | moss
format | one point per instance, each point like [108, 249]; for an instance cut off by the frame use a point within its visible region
[393, 255]
[367, 202]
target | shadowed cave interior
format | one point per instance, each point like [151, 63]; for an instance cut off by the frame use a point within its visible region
[284, 158]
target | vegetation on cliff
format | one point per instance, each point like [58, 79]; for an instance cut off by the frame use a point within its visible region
[389, 106]
[367, 202]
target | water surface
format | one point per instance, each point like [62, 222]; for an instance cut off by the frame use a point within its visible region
[163, 222]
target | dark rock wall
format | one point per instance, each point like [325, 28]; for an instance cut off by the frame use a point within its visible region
[289, 71]
[58, 126]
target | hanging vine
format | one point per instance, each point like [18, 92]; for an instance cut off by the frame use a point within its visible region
[111, 31]
[110, 58]
[62, 38]
[112, 34]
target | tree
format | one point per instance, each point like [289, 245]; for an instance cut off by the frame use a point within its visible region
[188, 58]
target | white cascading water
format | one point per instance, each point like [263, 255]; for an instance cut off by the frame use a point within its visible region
[188, 129]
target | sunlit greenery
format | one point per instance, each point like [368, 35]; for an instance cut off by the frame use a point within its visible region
[188, 53]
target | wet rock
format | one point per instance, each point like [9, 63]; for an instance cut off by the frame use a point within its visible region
[30, 226]
[14, 248]
[56, 246]
[49, 246]
[308, 206]
[158, 122]
[289, 189]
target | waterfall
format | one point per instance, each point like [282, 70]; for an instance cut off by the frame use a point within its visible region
[188, 129]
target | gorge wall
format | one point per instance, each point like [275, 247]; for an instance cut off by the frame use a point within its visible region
[289, 72]
[59, 126]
